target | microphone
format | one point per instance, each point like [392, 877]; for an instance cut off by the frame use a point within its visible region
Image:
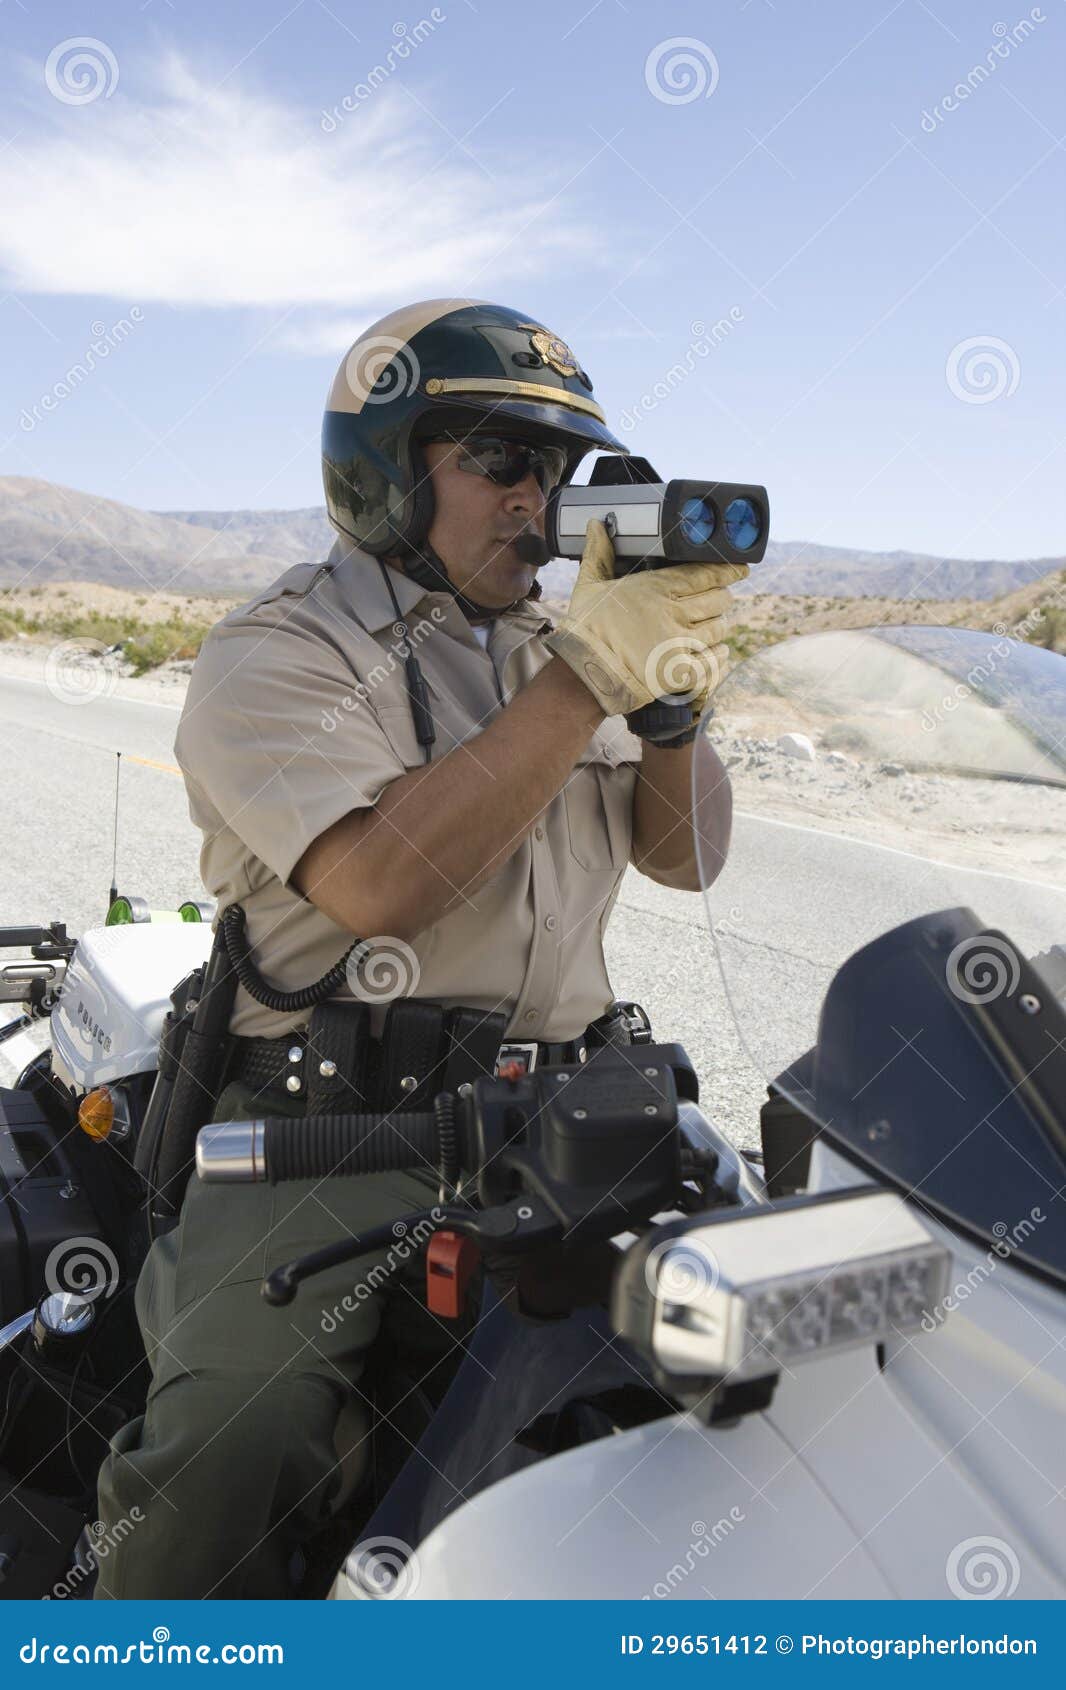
[531, 549]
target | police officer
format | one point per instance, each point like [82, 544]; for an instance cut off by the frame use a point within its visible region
[396, 745]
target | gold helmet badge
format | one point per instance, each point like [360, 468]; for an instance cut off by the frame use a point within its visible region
[554, 351]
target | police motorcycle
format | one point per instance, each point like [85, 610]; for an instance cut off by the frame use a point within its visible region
[831, 1367]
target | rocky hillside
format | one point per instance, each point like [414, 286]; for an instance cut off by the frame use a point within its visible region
[155, 629]
[1035, 612]
[829, 571]
[50, 533]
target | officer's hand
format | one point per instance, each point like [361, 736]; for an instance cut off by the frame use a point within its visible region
[648, 635]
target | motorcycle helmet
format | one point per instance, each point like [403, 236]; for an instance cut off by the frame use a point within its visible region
[443, 366]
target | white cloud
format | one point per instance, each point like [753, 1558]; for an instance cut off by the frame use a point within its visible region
[324, 335]
[223, 196]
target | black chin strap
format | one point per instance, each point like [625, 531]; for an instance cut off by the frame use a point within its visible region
[427, 568]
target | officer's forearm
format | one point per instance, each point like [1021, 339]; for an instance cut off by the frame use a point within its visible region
[436, 833]
[665, 824]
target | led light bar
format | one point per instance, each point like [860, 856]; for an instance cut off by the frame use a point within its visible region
[741, 1297]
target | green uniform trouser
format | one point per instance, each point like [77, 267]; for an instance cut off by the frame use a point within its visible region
[251, 1432]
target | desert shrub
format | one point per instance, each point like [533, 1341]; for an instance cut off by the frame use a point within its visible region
[1050, 631]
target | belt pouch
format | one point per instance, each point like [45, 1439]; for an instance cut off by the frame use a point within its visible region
[474, 1039]
[410, 1055]
[338, 1039]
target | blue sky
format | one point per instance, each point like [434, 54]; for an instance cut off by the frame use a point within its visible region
[782, 247]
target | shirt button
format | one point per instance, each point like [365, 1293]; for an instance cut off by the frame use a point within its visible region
[550, 923]
[538, 833]
[531, 1014]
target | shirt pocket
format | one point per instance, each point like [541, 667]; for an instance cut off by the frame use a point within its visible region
[598, 800]
[399, 729]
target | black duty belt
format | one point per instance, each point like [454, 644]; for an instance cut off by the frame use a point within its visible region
[334, 1064]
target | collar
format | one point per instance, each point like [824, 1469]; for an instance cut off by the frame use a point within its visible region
[359, 576]
[528, 614]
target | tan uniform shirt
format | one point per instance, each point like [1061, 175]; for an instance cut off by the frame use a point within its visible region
[297, 713]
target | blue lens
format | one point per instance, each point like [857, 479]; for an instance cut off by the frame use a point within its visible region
[742, 524]
[697, 521]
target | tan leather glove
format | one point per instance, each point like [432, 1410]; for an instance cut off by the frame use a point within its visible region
[655, 634]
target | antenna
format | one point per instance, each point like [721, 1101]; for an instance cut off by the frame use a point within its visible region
[114, 857]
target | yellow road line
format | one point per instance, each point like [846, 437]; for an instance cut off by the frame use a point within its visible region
[150, 763]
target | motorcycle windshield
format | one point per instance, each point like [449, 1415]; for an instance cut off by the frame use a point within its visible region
[890, 920]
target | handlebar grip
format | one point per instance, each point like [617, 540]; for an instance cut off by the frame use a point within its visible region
[316, 1147]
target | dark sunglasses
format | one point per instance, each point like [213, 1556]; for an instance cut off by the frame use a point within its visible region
[507, 462]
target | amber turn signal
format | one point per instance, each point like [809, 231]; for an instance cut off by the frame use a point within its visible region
[96, 1113]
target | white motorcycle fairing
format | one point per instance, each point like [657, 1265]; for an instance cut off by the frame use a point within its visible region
[107, 1023]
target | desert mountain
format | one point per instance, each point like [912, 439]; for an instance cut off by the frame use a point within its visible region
[51, 533]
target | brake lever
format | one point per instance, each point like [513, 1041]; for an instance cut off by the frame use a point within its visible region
[280, 1287]
[522, 1224]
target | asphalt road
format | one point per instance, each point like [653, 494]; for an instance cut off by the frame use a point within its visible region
[790, 906]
